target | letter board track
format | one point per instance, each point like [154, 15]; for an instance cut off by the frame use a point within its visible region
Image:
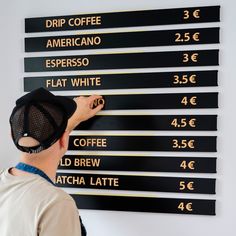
[139, 163]
[145, 204]
[159, 101]
[123, 61]
[137, 183]
[153, 122]
[124, 81]
[122, 40]
[143, 143]
[124, 19]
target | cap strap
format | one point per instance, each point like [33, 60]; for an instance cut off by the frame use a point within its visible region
[26, 121]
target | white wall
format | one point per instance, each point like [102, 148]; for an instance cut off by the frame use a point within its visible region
[111, 223]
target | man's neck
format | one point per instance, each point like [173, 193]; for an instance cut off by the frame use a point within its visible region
[48, 169]
[49, 172]
[47, 164]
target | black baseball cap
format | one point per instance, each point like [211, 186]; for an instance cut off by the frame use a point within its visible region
[42, 116]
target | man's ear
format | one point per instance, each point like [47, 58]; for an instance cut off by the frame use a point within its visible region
[64, 140]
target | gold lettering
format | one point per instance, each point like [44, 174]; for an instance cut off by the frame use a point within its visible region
[186, 14]
[73, 42]
[83, 82]
[60, 179]
[104, 181]
[47, 63]
[49, 44]
[55, 83]
[88, 162]
[89, 20]
[187, 36]
[184, 143]
[90, 142]
[72, 180]
[99, 101]
[65, 162]
[70, 62]
[90, 81]
[185, 206]
[187, 57]
[55, 23]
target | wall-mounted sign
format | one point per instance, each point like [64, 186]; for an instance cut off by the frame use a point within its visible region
[123, 81]
[123, 61]
[124, 19]
[180, 58]
[162, 101]
[121, 40]
[150, 122]
[139, 163]
[145, 204]
[144, 143]
[136, 183]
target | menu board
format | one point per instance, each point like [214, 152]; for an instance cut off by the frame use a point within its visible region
[70, 70]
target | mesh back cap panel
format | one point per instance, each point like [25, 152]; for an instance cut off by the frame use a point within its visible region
[45, 121]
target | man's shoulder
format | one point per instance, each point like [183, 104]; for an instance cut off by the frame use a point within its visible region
[53, 198]
[51, 192]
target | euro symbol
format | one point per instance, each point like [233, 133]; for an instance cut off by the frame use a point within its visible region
[190, 186]
[192, 79]
[192, 122]
[196, 36]
[196, 13]
[191, 144]
[193, 101]
[191, 165]
[189, 206]
[194, 57]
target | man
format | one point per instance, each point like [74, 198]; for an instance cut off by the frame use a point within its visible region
[30, 204]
